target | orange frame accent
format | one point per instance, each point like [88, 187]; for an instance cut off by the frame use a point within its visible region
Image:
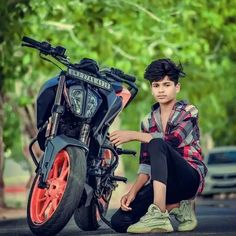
[125, 94]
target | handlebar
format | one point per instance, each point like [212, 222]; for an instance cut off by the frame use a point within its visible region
[122, 75]
[125, 152]
[31, 41]
[45, 48]
[58, 53]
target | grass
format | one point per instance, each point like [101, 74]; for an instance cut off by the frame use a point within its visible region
[16, 180]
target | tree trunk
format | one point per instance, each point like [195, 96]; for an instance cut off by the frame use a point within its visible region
[2, 201]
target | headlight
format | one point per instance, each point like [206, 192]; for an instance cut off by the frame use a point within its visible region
[92, 104]
[84, 102]
[76, 95]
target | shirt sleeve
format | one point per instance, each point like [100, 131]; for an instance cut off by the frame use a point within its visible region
[144, 158]
[183, 131]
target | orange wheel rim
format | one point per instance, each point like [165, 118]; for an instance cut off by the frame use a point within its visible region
[44, 202]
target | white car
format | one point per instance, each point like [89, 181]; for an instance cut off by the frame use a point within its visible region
[221, 176]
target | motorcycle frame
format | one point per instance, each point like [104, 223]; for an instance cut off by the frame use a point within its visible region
[54, 142]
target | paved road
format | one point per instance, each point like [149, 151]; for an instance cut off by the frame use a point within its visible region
[216, 217]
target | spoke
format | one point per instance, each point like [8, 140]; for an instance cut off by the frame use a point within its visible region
[55, 170]
[64, 174]
[54, 204]
[51, 210]
[53, 207]
[44, 207]
[42, 199]
[64, 166]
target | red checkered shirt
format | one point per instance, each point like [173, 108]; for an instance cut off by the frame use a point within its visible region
[182, 133]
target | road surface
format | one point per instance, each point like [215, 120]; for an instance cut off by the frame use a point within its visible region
[216, 217]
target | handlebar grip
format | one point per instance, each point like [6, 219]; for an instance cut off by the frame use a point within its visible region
[122, 75]
[127, 152]
[129, 78]
[31, 41]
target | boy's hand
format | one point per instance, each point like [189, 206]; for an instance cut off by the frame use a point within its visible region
[121, 136]
[124, 136]
[126, 200]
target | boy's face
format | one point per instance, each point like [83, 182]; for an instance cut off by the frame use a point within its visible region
[165, 90]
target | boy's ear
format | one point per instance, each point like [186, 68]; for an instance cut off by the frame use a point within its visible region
[177, 87]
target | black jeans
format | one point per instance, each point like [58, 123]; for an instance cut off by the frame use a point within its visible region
[169, 167]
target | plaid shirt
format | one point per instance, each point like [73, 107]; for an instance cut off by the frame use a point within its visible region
[182, 133]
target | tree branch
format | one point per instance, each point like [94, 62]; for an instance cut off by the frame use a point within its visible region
[123, 53]
[141, 8]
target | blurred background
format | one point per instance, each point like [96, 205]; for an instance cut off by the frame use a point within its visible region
[124, 34]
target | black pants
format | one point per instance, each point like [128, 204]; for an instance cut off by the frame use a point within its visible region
[168, 167]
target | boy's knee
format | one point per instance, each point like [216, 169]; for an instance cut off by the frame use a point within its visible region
[156, 143]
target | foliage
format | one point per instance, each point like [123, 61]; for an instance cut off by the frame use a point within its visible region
[129, 35]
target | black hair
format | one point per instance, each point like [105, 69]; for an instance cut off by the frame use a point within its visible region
[158, 69]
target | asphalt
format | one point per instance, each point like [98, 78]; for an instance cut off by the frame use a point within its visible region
[215, 217]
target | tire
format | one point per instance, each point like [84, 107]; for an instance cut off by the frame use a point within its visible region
[49, 210]
[88, 218]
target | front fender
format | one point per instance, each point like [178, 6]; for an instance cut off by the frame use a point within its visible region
[54, 146]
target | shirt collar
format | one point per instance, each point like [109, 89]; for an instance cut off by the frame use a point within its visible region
[177, 104]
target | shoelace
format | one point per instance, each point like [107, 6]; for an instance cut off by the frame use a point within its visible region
[151, 212]
[184, 212]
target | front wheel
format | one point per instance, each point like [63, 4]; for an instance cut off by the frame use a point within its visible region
[49, 209]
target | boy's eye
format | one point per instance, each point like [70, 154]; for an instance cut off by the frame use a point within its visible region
[167, 85]
[155, 85]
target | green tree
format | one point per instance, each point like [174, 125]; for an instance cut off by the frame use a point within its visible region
[9, 34]
[128, 35]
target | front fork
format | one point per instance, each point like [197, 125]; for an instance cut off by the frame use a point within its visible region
[84, 134]
[52, 127]
[57, 109]
[54, 142]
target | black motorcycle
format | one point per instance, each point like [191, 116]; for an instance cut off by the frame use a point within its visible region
[75, 174]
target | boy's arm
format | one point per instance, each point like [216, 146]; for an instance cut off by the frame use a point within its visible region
[124, 136]
[142, 137]
[141, 180]
[144, 169]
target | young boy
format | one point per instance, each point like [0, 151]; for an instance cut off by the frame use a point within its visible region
[171, 171]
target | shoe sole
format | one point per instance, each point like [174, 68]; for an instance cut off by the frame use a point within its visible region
[152, 231]
[190, 229]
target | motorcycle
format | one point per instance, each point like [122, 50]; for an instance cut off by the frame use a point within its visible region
[75, 175]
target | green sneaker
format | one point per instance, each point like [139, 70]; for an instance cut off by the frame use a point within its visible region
[185, 215]
[153, 221]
